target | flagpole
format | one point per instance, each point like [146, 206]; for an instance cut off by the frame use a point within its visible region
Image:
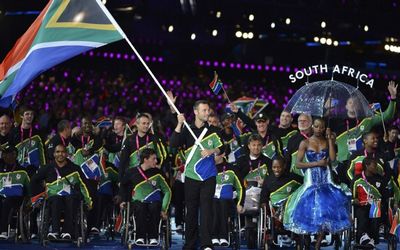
[227, 97]
[145, 66]
[383, 122]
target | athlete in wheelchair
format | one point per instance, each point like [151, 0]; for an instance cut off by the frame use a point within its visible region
[14, 185]
[145, 188]
[276, 189]
[371, 200]
[64, 192]
[254, 167]
[224, 219]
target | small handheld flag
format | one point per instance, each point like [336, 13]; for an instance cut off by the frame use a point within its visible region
[375, 106]
[216, 84]
[375, 210]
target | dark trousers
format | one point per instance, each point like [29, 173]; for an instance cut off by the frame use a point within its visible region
[198, 194]
[221, 211]
[366, 224]
[63, 204]
[147, 217]
[104, 206]
[92, 186]
[178, 198]
[6, 205]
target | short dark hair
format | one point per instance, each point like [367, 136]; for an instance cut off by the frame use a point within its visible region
[120, 118]
[280, 159]
[25, 108]
[62, 125]
[365, 135]
[198, 102]
[367, 162]
[146, 153]
[140, 115]
[319, 119]
[254, 137]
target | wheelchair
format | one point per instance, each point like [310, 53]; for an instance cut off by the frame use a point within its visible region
[19, 222]
[234, 230]
[273, 233]
[233, 227]
[253, 223]
[79, 226]
[391, 239]
[128, 232]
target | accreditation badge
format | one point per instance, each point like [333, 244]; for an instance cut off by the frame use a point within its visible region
[352, 144]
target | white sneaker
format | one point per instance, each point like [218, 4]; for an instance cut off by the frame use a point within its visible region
[65, 236]
[365, 239]
[94, 230]
[179, 228]
[3, 236]
[153, 242]
[52, 236]
[139, 241]
[215, 242]
[33, 236]
[223, 243]
[207, 248]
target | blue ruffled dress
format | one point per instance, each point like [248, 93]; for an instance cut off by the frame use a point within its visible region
[318, 205]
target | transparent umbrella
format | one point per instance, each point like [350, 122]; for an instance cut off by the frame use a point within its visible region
[331, 99]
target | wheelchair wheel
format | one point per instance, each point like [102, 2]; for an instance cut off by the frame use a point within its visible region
[303, 243]
[44, 224]
[81, 225]
[347, 239]
[251, 237]
[235, 233]
[126, 217]
[392, 242]
[24, 222]
[165, 235]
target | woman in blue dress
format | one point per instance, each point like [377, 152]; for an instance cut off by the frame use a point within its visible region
[318, 206]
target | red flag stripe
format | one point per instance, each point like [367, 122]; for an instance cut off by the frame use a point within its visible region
[22, 46]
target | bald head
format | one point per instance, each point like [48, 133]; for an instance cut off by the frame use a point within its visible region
[5, 124]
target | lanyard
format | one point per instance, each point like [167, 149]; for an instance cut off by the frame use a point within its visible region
[144, 176]
[22, 133]
[223, 173]
[266, 142]
[369, 185]
[304, 135]
[138, 144]
[366, 154]
[258, 167]
[83, 141]
[117, 140]
[348, 126]
[137, 141]
[58, 174]
[63, 140]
